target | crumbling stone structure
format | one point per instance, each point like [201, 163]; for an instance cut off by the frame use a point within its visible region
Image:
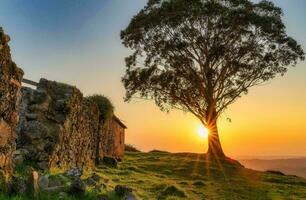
[58, 126]
[54, 125]
[10, 83]
[111, 138]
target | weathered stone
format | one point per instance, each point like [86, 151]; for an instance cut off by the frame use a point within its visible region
[77, 187]
[5, 133]
[55, 189]
[43, 182]
[65, 130]
[40, 96]
[31, 116]
[44, 165]
[10, 83]
[17, 185]
[18, 159]
[60, 104]
[74, 172]
[55, 183]
[130, 196]
[34, 130]
[111, 138]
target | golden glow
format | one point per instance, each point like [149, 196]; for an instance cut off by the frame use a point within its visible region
[203, 131]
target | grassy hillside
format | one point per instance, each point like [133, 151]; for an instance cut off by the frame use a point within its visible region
[161, 175]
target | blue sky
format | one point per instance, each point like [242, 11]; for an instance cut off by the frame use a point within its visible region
[78, 42]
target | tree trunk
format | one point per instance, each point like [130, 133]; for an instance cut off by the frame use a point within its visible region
[214, 144]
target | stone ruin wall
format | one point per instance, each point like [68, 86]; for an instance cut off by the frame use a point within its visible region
[10, 83]
[111, 142]
[54, 125]
[58, 127]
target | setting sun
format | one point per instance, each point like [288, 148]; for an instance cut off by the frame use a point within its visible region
[203, 131]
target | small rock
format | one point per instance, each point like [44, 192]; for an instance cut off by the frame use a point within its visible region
[130, 196]
[18, 159]
[43, 182]
[55, 190]
[77, 187]
[34, 130]
[122, 190]
[44, 165]
[39, 96]
[74, 172]
[60, 104]
[59, 118]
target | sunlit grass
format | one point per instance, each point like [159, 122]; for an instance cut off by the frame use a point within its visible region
[161, 175]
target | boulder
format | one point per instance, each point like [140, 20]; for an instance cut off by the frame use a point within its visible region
[77, 187]
[43, 182]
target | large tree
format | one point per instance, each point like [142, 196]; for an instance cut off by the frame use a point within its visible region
[201, 55]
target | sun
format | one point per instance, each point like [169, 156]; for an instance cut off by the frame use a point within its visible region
[203, 131]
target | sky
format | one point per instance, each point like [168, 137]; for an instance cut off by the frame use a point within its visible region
[78, 42]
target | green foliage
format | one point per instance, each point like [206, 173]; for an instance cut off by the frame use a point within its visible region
[105, 105]
[187, 176]
[201, 55]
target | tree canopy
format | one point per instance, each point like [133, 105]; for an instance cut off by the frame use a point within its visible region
[201, 55]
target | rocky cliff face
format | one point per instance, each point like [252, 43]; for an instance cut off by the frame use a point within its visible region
[58, 126]
[10, 78]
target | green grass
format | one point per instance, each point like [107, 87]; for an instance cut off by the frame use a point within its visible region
[161, 175]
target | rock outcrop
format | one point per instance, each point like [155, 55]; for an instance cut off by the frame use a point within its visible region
[10, 83]
[58, 126]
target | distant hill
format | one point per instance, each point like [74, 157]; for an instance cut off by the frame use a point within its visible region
[290, 166]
